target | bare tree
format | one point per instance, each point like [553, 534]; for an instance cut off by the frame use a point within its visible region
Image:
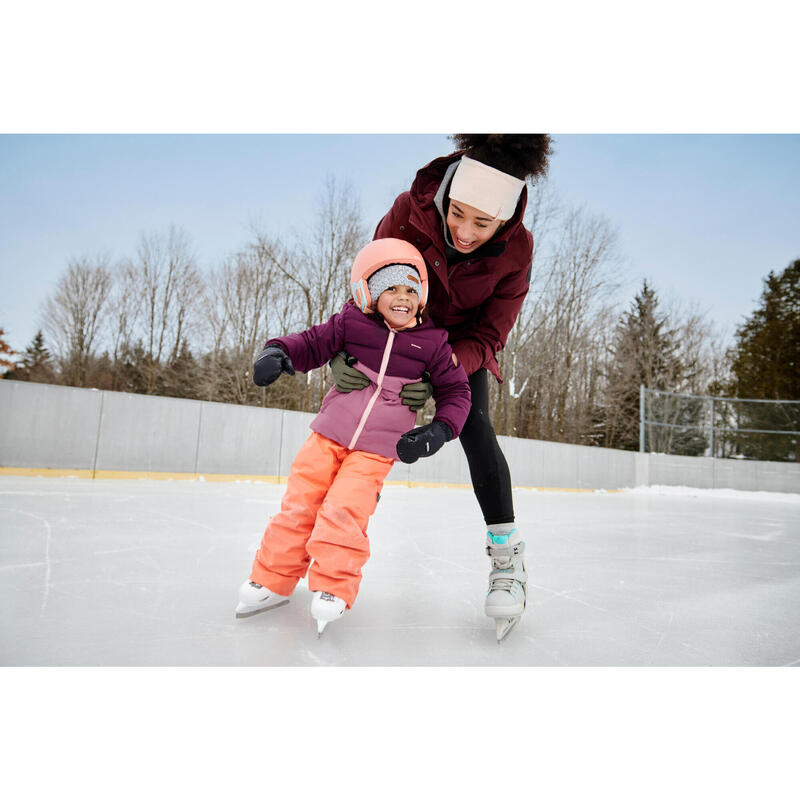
[74, 315]
[170, 288]
[553, 355]
[125, 308]
[238, 314]
[317, 268]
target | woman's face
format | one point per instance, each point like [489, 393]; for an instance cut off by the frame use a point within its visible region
[469, 227]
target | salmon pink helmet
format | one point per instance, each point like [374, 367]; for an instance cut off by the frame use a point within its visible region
[381, 253]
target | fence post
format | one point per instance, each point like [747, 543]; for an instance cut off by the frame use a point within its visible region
[712, 427]
[641, 418]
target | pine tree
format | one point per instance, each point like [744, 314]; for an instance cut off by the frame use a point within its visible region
[644, 351]
[182, 375]
[766, 365]
[37, 363]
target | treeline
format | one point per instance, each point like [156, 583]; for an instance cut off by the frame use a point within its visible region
[156, 323]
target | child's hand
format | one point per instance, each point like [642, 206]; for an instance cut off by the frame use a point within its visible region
[269, 366]
[423, 442]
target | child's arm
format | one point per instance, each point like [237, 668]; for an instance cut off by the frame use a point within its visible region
[450, 388]
[314, 347]
[453, 403]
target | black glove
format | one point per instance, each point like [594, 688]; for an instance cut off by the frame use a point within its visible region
[424, 441]
[345, 376]
[269, 366]
[414, 395]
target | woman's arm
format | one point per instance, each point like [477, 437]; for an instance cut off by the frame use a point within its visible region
[494, 322]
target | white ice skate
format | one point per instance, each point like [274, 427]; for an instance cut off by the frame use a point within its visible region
[505, 602]
[325, 608]
[255, 598]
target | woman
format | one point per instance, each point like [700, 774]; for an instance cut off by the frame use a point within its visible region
[464, 213]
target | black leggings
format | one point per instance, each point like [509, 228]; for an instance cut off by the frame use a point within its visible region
[488, 468]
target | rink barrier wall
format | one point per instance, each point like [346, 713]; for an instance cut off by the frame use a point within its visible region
[59, 430]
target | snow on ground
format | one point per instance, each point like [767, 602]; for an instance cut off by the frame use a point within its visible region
[719, 494]
[138, 572]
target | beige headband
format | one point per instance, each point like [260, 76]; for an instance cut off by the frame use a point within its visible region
[488, 189]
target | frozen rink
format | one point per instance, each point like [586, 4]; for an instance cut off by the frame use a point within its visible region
[137, 572]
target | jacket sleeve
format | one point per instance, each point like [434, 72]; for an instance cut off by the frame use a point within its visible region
[494, 322]
[450, 388]
[312, 348]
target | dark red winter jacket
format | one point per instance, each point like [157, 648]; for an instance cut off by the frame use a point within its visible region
[477, 299]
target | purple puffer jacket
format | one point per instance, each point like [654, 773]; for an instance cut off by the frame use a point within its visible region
[374, 418]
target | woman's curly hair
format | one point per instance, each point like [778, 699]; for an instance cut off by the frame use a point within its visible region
[523, 155]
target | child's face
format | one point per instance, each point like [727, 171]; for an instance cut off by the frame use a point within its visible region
[398, 305]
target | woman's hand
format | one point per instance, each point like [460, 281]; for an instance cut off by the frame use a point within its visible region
[346, 377]
[414, 395]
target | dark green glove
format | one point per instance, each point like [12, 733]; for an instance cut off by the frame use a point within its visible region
[414, 395]
[346, 377]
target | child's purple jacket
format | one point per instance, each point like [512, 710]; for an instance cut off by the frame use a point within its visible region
[374, 418]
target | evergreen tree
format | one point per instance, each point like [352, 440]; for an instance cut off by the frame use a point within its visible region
[182, 377]
[766, 365]
[130, 369]
[37, 363]
[644, 351]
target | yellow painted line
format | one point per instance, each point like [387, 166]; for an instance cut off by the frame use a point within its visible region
[121, 474]
[565, 489]
[433, 485]
[110, 474]
[46, 472]
[429, 485]
[183, 476]
[220, 478]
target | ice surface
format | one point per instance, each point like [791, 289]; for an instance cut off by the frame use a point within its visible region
[117, 572]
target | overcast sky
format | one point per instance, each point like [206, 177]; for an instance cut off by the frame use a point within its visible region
[702, 217]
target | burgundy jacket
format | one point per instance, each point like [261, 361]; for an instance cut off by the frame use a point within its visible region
[374, 419]
[477, 299]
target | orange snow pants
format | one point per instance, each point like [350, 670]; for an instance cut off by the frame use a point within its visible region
[330, 495]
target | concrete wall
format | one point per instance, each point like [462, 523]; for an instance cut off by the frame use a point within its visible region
[58, 427]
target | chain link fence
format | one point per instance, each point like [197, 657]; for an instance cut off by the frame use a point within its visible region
[720, 427]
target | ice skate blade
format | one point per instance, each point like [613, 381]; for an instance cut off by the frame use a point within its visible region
[243, 610]
[504, 627]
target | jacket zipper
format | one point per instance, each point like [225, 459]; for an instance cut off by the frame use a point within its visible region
[371, 403]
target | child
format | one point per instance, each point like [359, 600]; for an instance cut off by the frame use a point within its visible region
[335, 480]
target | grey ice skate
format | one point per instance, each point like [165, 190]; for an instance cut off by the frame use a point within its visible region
[505, 602]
